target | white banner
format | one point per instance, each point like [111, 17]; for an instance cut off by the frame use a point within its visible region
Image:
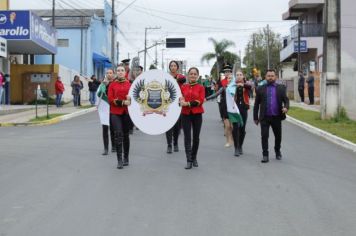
[154, 105]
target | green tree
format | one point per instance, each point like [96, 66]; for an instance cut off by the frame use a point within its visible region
[221, 56]
[152, 67]
[256, 51]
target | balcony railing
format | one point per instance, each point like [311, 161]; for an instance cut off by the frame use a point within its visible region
[308, 30]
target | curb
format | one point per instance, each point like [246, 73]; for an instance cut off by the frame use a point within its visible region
[51, 121]
[321, 133]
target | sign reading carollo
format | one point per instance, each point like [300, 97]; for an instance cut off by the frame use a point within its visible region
[154, 105]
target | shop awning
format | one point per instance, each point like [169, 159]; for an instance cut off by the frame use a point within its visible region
[101, 60]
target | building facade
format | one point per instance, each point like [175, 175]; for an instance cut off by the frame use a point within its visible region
[310, 13]
[84, 40]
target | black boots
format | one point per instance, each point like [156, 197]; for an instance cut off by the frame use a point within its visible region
[169, 149]
[176, 148]
[189, 165]
[126, 149]
[119, 143]
[279, 155]
[265, 159]
[106, 152]
[237, 152]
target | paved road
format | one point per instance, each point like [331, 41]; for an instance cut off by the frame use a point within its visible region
[53, 181]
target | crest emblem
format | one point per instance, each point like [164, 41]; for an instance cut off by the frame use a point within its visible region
[154, 97]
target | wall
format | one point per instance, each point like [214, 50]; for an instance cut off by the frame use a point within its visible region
[348, 57]
[67, 56]
[22, 90]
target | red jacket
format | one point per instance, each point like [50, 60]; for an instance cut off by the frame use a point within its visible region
[59, 87]
[180, 80]
[191, 93]
[117, 92]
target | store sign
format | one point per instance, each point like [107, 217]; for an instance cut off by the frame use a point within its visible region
[303, 46]
[15, 24]
[42, 33]
[25, 25]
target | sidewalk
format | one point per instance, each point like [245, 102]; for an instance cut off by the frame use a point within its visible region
[13, 115]
[304, 106]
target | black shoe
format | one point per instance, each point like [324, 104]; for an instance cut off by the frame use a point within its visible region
[176, 149]
[189, 165]
[195, 163]
[126, 161]
[105, 153]
[265, 159]
[120, 165]
[169, 149]
[278, 155]
[240, 151]
[237, 152]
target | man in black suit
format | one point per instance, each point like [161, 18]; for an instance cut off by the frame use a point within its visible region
[271, 106]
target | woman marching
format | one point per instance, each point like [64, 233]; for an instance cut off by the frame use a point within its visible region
[223, 107]
[104, 111]
[119, 100]
[174, 132]
[242, 101]
[192, 100]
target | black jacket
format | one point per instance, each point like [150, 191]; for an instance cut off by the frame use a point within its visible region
[259, 109]
[93, 85]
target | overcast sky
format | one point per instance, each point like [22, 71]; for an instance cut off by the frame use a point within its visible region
[195, 20]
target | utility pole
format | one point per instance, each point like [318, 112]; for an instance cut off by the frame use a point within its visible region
[81, 44]
[254, 50]
[144, 61]
[113, 27]
[53, 23]
[162, 59]
[330, 99]
[299, 36]
[240, 62]
[156, 55]
[268, 53]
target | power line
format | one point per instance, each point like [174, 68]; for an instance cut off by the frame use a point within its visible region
[207, 18]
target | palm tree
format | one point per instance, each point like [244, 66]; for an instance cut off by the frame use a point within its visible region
[221, 55]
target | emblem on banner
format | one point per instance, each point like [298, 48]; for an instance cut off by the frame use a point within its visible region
[154, 97]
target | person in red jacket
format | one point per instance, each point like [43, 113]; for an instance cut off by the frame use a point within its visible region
[174, 132]
[193, 95]
[119, 100]
[59, 87]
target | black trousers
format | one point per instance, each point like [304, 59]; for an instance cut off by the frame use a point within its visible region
[276, 124]
[173, 133]
[239, 131]
[311, 95]
[301, 94]
[192, 122]
[121, 127]
[106, 136]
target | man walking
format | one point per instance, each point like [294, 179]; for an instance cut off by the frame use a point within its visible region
[93, 87]
[310, 82]
[271, 106]
[301, 82]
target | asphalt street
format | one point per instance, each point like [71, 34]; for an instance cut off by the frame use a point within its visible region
[54, 181]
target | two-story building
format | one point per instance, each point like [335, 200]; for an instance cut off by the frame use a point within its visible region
[310, 13]
[84, 39]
